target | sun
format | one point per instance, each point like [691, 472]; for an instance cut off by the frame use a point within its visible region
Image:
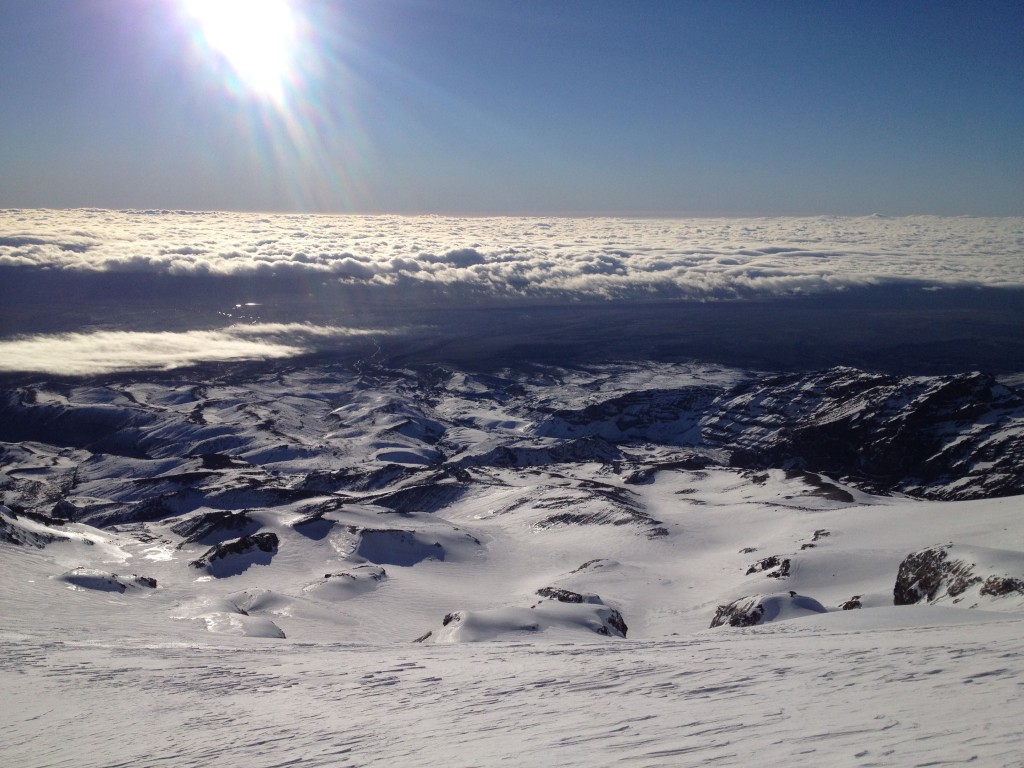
[255, 40]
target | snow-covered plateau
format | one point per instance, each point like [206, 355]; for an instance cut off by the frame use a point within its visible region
[638, 563]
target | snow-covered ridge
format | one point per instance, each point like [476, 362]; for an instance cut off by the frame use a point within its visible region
[421, 438]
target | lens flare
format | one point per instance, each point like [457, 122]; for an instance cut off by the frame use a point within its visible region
[256, 41]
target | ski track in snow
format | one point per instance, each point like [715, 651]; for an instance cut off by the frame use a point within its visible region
[782, 694]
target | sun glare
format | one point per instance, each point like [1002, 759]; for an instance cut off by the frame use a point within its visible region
[256, 39]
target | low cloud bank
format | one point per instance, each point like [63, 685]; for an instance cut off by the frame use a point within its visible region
[530, 257]
[104, 352]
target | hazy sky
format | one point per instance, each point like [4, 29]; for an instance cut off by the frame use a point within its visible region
[533, 106]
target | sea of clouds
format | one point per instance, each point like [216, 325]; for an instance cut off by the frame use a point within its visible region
[511, 256]
[90, 291]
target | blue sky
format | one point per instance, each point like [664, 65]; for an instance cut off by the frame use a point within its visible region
[548, 107]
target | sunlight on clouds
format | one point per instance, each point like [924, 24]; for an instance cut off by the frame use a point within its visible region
[702, 259]
[85, 354]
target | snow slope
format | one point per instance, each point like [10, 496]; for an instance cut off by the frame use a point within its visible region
[214, 591]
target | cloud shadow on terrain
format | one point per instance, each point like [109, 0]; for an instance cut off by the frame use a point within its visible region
[900, 328]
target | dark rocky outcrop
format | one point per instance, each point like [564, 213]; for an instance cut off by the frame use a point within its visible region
[759, 609]
[615, 621]
[212, 525]
[944, 437]
[745, 612]
[610, 617]
[953, 572]
[566, 595]
[258, 548]
[774, 567]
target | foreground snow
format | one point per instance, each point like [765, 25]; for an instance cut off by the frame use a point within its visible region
[100, 677]
[918, 686]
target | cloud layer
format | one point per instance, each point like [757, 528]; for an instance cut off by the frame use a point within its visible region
[103, 352]
[529, 257]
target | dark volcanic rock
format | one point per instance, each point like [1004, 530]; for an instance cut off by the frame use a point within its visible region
[209, 525]
[745, 612]
[773, 567]
[12, 532]
[948, 437]
[218, 461]
[566, 596]
[759, 609]
[426, 497]
[955, 573]
[612, 621]
[258, 548]
[920, 576]
[615, 621]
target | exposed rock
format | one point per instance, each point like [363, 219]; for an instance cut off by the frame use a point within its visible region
[760, 609]
[611, 618]
[425, 497]
[34, 533]
[615, 621]
[598, 562]
[662, 415]
[774, 567]
[919, 435]
[584, 449]
[998, 586]
[819, 534]
[566, 596]
[65, 510]
[208, 525]
[956, 573]
[372, 572]
[218, 461]
[259, 548]
[851, 604]
[745, 612]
